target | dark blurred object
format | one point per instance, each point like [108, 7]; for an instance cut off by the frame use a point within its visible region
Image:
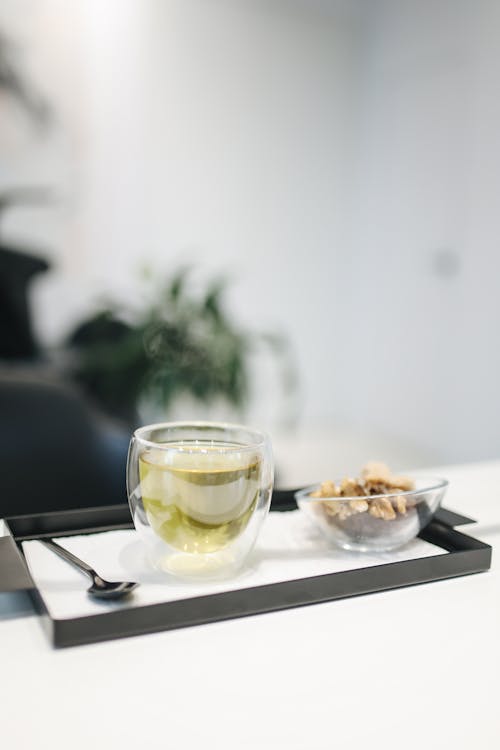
[17, 268]
[16, 335]
[18, 265]
[12, 83]
[55, 452]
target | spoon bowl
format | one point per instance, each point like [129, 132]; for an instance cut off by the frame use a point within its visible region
[102, 589]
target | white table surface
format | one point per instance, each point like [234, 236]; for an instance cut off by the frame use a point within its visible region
[411, 668]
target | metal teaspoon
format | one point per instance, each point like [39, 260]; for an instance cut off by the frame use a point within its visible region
[100, 588]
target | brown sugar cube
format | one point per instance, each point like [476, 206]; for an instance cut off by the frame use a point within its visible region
[388, 512]
[377, 488]
[400, 503]
[402, 483]
[331, 509]
[376, 472]
[351, 488]
[382, 508]
[358, 506]
[329, 489]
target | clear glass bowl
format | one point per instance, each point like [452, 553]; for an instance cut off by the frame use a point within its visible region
[198, 493]
[375, 523]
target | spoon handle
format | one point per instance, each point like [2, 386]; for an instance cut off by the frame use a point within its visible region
[68, 556]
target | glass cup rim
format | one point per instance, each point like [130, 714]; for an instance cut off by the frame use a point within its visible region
[261, 441]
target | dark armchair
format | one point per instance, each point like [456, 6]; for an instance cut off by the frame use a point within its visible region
[55, 451]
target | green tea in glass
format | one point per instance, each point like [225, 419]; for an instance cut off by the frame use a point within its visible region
[198, 494]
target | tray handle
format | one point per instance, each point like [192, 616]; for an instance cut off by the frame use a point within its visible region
[14, 575]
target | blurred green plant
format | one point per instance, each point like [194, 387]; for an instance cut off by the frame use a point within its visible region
[176, 343]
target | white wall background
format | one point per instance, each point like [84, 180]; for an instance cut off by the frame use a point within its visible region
[338, 160]
[426, 227]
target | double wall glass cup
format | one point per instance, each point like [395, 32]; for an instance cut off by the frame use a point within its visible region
[198, 494]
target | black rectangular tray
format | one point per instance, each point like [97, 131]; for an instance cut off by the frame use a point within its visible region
[466, 555]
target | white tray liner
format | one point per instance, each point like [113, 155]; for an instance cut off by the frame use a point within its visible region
[288, 548]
